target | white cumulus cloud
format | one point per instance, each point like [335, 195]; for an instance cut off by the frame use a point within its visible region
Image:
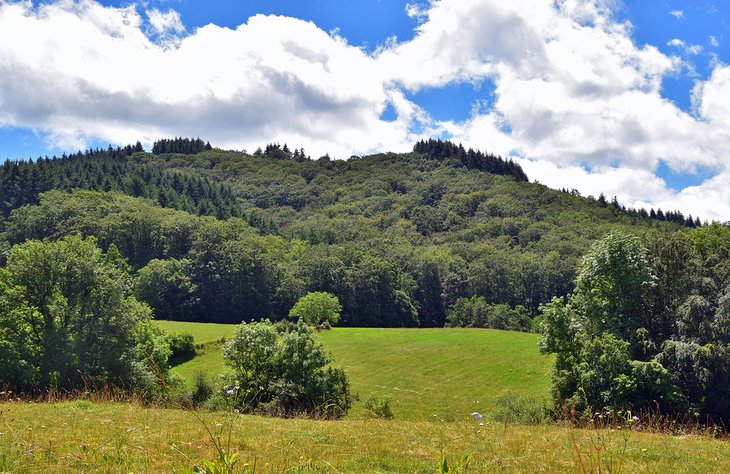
[89, 71]
[572, 90]
[164, 23]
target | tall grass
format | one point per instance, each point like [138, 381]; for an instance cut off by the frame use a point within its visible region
[89, 436]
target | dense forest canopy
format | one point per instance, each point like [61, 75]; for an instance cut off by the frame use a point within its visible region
[399, 239]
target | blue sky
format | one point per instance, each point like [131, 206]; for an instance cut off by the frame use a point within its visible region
[642, 118]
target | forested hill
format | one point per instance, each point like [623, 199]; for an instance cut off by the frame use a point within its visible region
[112, 169]
[399, 238]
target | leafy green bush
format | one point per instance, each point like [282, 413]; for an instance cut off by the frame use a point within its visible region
[645, 329]
[182, 345]
[284, 373]
[378, 406]
[202, 389]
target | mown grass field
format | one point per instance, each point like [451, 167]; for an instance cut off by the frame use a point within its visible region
[427, 372]
[82, 436]
[203, 332]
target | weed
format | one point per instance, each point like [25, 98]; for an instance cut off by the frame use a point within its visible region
[515, 408]
[455, 466]
[220, 436]
[378, 406]
[601, 456]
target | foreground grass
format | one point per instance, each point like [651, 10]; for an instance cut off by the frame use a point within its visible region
[427, 372]
[82, 436]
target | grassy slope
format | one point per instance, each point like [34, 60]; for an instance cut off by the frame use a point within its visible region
[447, 372]
[441, 371]
[203, 332]
[83, 437]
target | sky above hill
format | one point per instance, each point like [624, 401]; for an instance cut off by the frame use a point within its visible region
[626, 98]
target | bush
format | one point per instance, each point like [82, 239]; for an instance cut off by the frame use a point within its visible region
[284, 374]
[202, 390]
[182, 346]
[378, 406]
[643, 330]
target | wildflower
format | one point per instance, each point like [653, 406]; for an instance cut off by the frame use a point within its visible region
[477, 415]
[230, 391]
[481, 424]
[635, 418]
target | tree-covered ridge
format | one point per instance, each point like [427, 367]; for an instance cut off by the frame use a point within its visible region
[398, 238]
[471, 159]
[201, 268]
[112, 169]
[185, 146]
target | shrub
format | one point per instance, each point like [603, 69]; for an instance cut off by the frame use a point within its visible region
[284, 373]
[202, 389]
[378, 406]
[182, 346]
[643, 330]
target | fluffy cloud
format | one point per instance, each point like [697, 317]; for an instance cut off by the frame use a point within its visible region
[86, 70]
[163, 23]
[571, 89]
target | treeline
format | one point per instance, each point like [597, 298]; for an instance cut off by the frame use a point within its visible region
[282, 152]
[670, 216]
[203, 269]
[200, 268]
[471, 159]
[113, 169]
[184, 146]
[410, 234]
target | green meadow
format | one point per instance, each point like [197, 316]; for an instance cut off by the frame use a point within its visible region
[443, 373]
[436, 378]
[84, 436]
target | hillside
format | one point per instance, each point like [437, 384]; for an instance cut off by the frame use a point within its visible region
[399, 238]
[438, 237]
[443, 372]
